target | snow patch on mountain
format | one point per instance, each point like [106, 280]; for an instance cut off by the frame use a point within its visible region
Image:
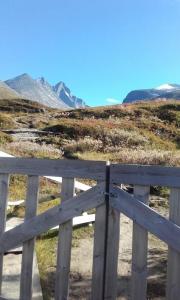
[164, 91]
[166, 86]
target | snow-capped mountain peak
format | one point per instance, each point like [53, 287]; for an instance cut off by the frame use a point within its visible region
[166, 86]
[164, 91]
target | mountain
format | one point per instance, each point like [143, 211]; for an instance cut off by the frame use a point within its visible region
[7, 93]
[39, 90]
[64, 93]
[165, 91]
[35, 90]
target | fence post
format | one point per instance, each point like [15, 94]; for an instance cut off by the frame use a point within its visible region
[111, 246]
[64, 245]
[139, 250]
[99, 253]
[28, 247]
[173, 269]
[4, 184]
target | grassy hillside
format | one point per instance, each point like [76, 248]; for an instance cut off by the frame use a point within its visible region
[15, 105]
[147, 133]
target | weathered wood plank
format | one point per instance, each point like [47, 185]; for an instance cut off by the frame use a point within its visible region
[99, 253]
[54, 167]
[145, 175]
[173, 270]
[112, 250]
[54, 216]
[4, 184]
[111, 245]
[145, 216]
[28, 247]
[78, 185]
[64, 245]
[139, 250]
[100, 239]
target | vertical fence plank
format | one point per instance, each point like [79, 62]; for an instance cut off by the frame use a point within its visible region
[99, 253]
[173, 270]
[64, 245]
[112, 250]
[106, 246]
[139, 251]
[28, 247]
[4, 184]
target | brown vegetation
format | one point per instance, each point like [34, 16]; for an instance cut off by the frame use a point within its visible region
[146, 132]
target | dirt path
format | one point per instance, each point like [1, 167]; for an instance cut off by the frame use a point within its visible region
[81, 266]
[12, 270]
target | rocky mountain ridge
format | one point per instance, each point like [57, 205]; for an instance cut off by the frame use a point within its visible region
[39, 90]
[165, 91]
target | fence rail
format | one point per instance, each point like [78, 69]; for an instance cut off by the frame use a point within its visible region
[79, 186]
[110, 201]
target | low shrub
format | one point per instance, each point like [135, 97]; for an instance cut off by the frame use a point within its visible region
[6, 121]
[136, 156]
[124, 138]
[30, 149]
[83, 145]
[5, 138]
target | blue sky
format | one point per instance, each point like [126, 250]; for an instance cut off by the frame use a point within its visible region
[101, 49]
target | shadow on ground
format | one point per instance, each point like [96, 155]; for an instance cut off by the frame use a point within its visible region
[157, 267]
[80, 286]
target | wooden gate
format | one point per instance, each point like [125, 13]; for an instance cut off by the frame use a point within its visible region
[109, 200]
[146, 219]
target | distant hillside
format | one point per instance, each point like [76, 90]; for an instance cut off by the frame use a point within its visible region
[142, 132]
[39, 90]
[21, 105]
[165, 92]
[6, 92]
